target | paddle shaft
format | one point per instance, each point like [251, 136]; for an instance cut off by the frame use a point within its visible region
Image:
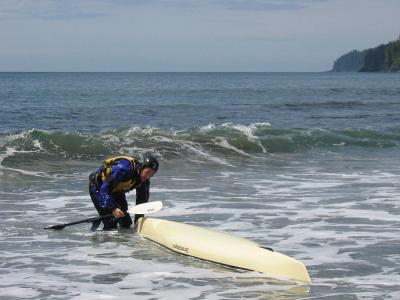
[144, 208]
[89, 220]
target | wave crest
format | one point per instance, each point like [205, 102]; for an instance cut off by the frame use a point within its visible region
[211, 142]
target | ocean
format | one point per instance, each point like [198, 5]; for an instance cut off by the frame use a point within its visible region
[304, 163]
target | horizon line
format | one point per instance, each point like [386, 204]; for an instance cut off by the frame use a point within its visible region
[329, 71]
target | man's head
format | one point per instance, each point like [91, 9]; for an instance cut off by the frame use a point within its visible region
[149, 167]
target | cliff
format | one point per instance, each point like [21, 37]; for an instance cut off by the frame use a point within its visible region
[384, 58]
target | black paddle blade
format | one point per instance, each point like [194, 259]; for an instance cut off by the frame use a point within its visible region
[56, 227]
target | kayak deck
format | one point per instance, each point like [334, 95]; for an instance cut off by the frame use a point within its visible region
[222, 248]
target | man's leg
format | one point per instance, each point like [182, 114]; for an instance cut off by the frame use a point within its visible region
[109, 223]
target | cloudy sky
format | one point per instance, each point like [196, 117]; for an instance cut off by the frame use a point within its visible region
[189, 35]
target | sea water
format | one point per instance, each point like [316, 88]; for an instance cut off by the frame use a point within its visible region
[304, 163]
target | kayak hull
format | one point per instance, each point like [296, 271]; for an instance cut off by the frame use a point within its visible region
[222, 248]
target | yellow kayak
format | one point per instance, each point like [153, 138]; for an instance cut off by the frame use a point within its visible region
[222, 248]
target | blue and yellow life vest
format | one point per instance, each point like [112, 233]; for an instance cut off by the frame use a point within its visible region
[123, 186]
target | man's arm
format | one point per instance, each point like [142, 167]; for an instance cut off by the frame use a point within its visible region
[107, 201]
[142, 196]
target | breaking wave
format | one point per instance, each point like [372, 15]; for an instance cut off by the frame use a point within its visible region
[216, 141]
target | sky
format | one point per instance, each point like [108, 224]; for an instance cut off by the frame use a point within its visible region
[189, 35]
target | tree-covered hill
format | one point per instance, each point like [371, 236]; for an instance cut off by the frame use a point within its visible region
[384, 58]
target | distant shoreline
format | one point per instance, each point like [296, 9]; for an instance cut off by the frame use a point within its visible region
[383, 58]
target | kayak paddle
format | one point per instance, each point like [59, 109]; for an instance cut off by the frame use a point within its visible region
[144, 208]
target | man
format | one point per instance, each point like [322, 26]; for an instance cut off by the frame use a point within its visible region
[115, 177]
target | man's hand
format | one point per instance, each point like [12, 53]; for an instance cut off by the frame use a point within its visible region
[118, 214]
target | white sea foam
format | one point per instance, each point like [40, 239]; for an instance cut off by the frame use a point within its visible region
[20, 292]
[225, 144]
[181, 190]
[11, 151]
[248, 131]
